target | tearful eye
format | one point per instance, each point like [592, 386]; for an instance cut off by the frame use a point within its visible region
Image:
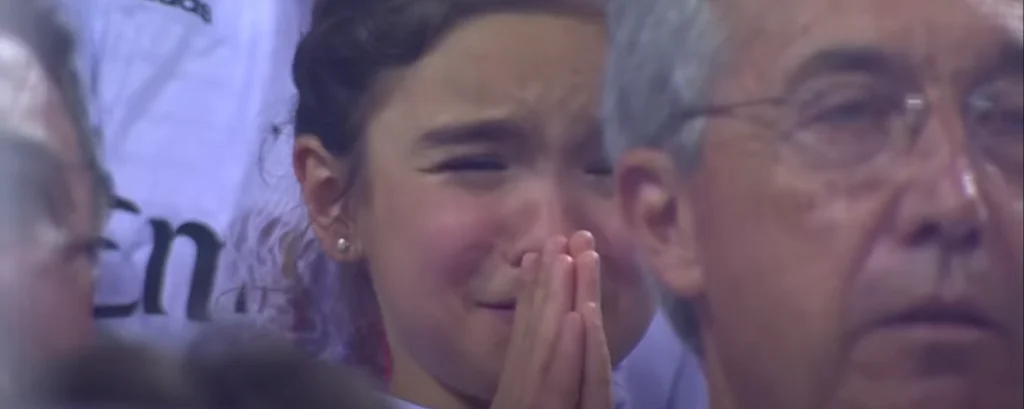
[600, 168]
[483, 163]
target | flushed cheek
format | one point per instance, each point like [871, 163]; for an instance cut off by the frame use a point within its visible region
[434, 255]
[432, 248]
[457, 240]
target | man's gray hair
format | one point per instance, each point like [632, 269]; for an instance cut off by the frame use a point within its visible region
[663, 54]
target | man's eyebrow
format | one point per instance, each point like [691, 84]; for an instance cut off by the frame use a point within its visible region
[1008, 60]
[850, 59]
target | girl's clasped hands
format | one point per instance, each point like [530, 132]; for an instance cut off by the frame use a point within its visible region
[558, 357]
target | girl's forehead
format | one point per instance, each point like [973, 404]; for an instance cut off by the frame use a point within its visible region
[24, 89]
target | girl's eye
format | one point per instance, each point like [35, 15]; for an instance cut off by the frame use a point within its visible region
[481, 163]
[599, 168]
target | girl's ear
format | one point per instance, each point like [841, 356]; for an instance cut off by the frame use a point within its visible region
[331, 212]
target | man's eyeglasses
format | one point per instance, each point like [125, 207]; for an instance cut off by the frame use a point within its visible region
[848, 123]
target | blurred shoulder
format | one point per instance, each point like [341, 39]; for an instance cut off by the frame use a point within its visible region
[401, 404]
[662, 372]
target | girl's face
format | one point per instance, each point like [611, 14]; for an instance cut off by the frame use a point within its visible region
[483, 149]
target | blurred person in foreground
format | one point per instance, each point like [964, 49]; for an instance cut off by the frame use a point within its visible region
[32, 206]
[832, 192]
[222, 370]
[52, 192]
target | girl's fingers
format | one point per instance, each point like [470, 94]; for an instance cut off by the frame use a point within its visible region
[553, 248]
[548, 350]
[562, 388]
[580, 242]
[556, 306]
[522, 340]
[523, 325]
[596, 392]
[588, 280]
[529, 285]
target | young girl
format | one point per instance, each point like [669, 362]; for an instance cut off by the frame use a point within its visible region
[449, 157]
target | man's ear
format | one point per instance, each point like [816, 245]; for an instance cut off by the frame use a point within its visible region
[657, 208]
[323, 180]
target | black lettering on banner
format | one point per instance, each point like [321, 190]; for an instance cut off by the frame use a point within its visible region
[208, 247]
[118, 310]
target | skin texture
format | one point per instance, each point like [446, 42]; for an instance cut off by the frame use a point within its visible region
[60, 272]
[797, 258]
[475, 155]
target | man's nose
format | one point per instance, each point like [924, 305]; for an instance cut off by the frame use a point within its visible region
[944, 209]
[942, 206]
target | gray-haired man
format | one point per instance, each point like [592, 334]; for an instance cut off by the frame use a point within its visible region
[832, 190]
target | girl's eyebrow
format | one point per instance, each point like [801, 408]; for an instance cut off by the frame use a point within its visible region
[486, 131]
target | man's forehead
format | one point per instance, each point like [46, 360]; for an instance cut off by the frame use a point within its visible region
[1006, 13]
[24, 89]
[798, 17]
[927, 33]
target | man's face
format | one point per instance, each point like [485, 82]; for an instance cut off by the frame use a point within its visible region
[58, 272]
[858, 244]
